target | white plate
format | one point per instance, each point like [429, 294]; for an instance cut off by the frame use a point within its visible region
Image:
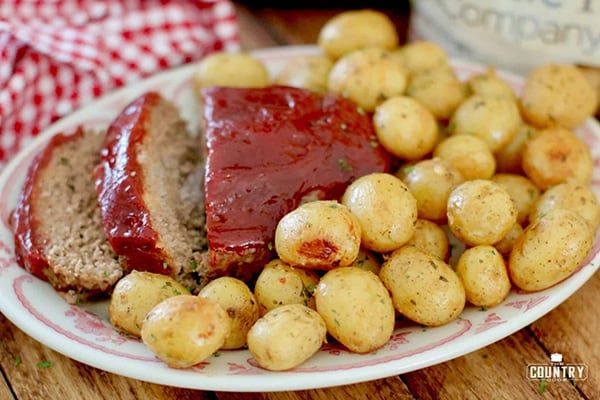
[84, 334]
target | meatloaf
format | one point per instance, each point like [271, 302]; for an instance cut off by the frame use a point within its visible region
[150, 191]
[269, 150]
[57, 223]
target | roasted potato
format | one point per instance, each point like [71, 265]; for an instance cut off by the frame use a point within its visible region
[555, 155]
[367, 77]
[482, 271]
[550, 250]
[592, 74]
[505, 245]
[385, 209]
[480, 212]
[321, 234]
[496, 120]
[421, 55]
[557, 95]
[424, 288]
[438, 89]
[238, 301]
[508, 158]
[356, 307]
[230, 69]
[368, 261]
[570, 195]
[431, 238]
[357, 29]
[185, 330]
[286, 337]
[308, 72]
[469, 154]
[522, 191]
[405, 128]
[136, 294]
[279, 283]
[489, 84]
[431, 181]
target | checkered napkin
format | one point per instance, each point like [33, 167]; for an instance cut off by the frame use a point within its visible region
[57, 55]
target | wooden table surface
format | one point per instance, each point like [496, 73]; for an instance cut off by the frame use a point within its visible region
[494, 372]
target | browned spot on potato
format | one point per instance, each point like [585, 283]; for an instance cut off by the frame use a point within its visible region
[558, 155]
[318, 248]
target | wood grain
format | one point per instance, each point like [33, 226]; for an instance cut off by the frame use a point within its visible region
[5, 392]
[37, 372]
[253, 34]
[382, 389]
[497, 371]
[572, 330]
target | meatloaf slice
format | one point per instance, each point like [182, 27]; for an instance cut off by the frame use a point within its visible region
[150, 190]
[269, 150]
[57, 224]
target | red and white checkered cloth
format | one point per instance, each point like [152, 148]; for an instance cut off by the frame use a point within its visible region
[57, 55]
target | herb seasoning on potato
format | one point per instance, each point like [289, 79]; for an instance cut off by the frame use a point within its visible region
[424, 288]
[550, 250]
[356, 308]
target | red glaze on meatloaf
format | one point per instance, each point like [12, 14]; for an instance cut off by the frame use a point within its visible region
[268, 150]
[57, 224]
[29, 243]
[120, 187]
[147, 160]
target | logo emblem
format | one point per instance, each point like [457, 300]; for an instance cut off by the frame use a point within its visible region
[557, 370]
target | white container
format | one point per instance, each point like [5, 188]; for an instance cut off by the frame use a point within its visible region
[512, 34]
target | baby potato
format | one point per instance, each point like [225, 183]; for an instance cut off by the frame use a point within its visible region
[480, 212]
[357, 29]
[469, 154]
[405, 128]
[368, 261]
[489, 84]
[356, 307]
[482, 271]
[385, 209]
[508, 158]
[593, 76]
[309, 72]
[505, 245]
[557, 95]
[424, 288]
[279, 283]
[229, 69]
[136, 294]
[555, 155]
[320, 234]
[431, 238]
[238, 301]
[421, 55]
[523, 192]
[185, 330]
[496, 120]
[368, 77]
[438, 89]
[431, 181]
[286, 337]
[570, 195]
[550, 250]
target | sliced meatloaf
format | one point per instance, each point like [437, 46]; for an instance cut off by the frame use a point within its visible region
[57, 223]
[150, 190]
[269, 150]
